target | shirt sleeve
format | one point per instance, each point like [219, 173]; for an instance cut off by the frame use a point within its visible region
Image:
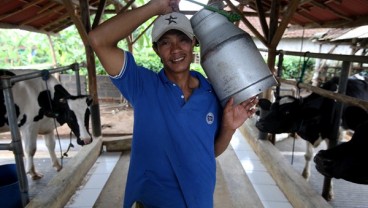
[132, 78]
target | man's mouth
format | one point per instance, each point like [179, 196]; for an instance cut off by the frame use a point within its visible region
[177, 59]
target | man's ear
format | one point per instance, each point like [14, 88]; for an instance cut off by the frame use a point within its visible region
[195, 42]
[155, 49]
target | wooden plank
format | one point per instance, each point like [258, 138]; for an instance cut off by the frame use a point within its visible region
[332, 95]
[292, 184]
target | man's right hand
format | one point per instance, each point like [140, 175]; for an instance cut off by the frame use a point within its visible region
[165, 6]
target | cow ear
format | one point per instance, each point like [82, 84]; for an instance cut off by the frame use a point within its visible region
[89, 100]
[265, 104]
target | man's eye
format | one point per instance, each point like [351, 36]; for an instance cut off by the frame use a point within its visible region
[163, 42]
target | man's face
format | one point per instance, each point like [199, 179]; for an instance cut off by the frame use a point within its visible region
[175, 50]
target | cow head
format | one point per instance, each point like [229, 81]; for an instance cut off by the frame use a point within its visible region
[288, 114]
[280, 116]
[69, 109]
[348, 160]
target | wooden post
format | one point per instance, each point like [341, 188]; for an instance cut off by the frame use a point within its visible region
[91, 67]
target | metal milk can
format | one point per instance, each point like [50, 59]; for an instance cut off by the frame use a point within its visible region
[230, 58]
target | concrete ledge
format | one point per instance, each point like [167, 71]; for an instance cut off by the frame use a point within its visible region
[295, 187]
[117, 144]
[64, 184]
[241, 191]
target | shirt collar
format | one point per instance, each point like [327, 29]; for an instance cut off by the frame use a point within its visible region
[203, 83]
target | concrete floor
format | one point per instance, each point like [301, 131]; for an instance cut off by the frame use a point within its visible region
[347, 194]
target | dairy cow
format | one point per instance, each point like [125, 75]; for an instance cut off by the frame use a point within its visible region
[310, 117]
[348, 160]
[40, 107]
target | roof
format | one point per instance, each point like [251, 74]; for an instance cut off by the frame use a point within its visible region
[51, 16]
[319, 13]
[359, 33]
[44, 16]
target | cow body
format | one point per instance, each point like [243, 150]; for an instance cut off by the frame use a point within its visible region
[311, 117]
[41, 106]
[348, 160]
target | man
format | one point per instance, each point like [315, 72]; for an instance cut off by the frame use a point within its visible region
[179, 125]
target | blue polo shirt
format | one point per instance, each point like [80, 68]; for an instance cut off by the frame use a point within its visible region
[172, 157]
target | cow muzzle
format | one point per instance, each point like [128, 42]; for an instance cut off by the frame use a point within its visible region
[84, 141]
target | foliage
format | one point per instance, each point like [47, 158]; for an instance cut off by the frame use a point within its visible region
[68, 47]
[19, 48]
[292, 68]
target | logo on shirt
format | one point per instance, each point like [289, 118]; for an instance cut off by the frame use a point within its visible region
[210, 118]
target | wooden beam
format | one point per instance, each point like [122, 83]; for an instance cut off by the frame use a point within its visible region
[91, 68]
[274, 17]
[61, 22]
[360, 20]
[142, 33]
[241, 8]
[55, 10]
[99, 13]
[24, 27]
[247, 23]
[130, 3]
[47, 7]
[293, 5]
[262, 17]
[29, 5]
[330, 9]
[308, 17]
[332, 95]
[78, 24]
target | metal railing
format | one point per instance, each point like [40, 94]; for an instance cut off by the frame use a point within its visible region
[15, 145]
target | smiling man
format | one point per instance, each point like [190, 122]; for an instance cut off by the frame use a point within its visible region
[179, 124]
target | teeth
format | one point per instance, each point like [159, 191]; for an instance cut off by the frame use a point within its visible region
[178, 59]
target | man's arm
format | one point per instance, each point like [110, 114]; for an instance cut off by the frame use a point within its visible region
[233, 117]
[105, 37]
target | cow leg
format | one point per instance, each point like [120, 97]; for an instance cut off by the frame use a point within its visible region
[327, 190]
[30, 147]
[308, 157]
[50, 144]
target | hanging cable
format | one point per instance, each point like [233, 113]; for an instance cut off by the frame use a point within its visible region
[45, 74]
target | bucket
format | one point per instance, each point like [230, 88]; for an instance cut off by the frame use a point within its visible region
[230, 58]
[10, 196]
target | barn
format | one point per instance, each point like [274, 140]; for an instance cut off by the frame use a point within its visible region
[233, 189]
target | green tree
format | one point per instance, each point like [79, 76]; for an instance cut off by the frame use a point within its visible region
[293, 66]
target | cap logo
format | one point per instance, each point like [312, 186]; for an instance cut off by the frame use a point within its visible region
[171, 19]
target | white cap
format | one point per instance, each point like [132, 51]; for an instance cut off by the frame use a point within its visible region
[171, 21]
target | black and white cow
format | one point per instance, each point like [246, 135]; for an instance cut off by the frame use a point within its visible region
[348, 160]
[310, 117]
[38, 104]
